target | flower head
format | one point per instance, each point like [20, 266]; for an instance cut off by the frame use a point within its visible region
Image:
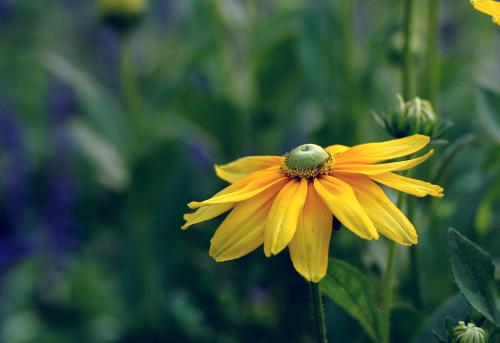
[469, 333]
[291, 201]
[489, 7]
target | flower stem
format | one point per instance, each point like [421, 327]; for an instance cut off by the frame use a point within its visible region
[407, 67]
[416, 289]
[387, 293]
[432, 60]
[387, 283]
[318, 313]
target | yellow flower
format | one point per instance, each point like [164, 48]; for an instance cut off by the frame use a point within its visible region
[289, 201]
[489, 7]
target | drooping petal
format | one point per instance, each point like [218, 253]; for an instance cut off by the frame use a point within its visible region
[341, 200]
[336, 149]
[258, 182]
[205, 213]
[374, 169]
[242, 167]
[386, 217]
[283, 216]
[408, 185]
[242, 231]
[310, 244]
[376, 152]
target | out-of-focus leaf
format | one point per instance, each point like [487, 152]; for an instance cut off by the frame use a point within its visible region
[488, 106]
[102, 110]
[110, 168]
[486, 210]
[456, 307]
[473, 271]
[352, 291]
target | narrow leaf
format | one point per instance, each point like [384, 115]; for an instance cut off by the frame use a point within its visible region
[103, 112]
[110, 168]
[473, 271]
[352, 291]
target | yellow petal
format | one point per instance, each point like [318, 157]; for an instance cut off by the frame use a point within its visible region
[374, 169]
[310, 244]
[376, 152]
[386, 217]
[409, 185]
[282, 220]
[341, 200]
[205, 213]
[336, 149]
[258, 182]
[239, 169]
[487, 6]
[243, 229]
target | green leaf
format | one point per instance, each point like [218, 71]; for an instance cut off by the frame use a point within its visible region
[102, 111]
[488, 106]
[110, 168]
[473, 271]
[352, 291]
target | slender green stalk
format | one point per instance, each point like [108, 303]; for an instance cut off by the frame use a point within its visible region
[407, 67]
[387, 293]
[416, 289]
[318, 313]
[432, 58]
[387, 283]
[130, 92]
[351, 87]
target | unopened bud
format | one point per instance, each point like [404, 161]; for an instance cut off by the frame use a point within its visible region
[412, 117]
[469, 333]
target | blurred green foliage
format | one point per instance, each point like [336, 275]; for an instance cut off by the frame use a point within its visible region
[204, 82]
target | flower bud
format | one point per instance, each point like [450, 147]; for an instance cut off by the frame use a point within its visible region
[122, 15]
[411, 117]
[469, 333]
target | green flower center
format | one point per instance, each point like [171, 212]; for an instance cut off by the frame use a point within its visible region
[307, 161]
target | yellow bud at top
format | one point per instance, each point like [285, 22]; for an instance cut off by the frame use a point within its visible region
[122, 15]
[122, 6]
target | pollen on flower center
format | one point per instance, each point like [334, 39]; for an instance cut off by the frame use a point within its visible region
[307, 161]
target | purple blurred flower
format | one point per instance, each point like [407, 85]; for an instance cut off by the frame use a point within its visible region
[164, 12]
[6, 7]
[15, 175]
[60, 186]
[200, 152]
[14, 198]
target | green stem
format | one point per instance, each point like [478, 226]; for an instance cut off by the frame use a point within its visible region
[387, 293]
[407, 67]
[416, 289]
[432, 58]
[415, 275]
[130, 91]
[318, 313]
[387, 283]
